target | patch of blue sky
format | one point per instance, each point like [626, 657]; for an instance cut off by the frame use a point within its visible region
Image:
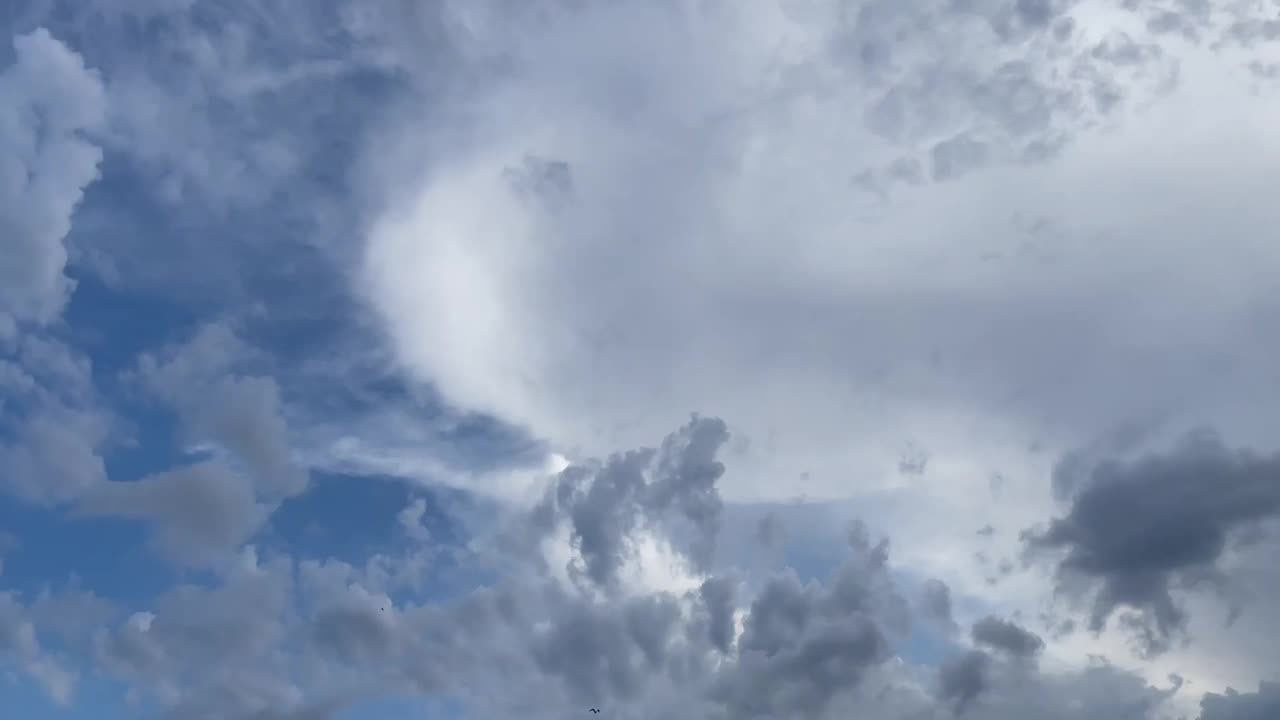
[106, 554]
[352, 518]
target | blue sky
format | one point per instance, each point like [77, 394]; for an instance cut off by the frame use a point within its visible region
[781, 359]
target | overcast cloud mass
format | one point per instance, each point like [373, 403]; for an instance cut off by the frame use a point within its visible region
[709, 359]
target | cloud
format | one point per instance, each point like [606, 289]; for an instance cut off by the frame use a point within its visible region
[605, 504]
[1140, 530]
[283, 638]
[840, 226]
[220, 403]
[1006, 636]
[202, 513]
[50, 101]
[935, 601]
[1241, 706]
[20, 648]
[658, 281]
[53, 428]
[962, 679]
[410, 519]
[210, 651]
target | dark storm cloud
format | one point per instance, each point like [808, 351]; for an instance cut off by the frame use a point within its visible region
[1139, 529]
[1007, 637]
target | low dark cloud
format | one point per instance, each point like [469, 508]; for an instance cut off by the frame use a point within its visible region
[1139, 530]
[962, 679]
[1007, 637]
[1231, 705]
[935, 598]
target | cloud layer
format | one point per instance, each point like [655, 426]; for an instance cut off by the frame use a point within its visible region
[791, 359]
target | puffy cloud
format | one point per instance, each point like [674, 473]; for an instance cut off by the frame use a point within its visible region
[1137, 531]
[580, 231]
[52, 427]
[284, 639]
[49, 100]
[202, 513]
[1234, 705]
[605, 504]
[962, 679]
[20, 648]
[203, 381]
[1006, 636]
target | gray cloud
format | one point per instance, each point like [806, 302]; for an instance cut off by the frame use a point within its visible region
[718, 597]
[1232, 705]
[280, 639]
[202, 513]
[935, 598]
[217, 402]
[21, 650]
[1139, 530]
[803, 646]
[672, 487]
[52, 428]
[962, 679]
[1006, 636]
[964, 85]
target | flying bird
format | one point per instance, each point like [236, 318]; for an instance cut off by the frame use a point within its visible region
[595, 711]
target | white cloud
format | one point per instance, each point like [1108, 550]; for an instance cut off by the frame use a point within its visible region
[20, 647]
[48, 100]
[702, 247]
[56, 425]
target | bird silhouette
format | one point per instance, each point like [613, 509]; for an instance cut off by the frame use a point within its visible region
[595, 711]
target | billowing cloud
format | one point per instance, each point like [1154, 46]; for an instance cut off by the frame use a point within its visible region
[52, 427]
[218, 403]
[1142, 529]
[202, 513]
[916, 255]
[1242, 706]
[50, 99]
[1007, 637]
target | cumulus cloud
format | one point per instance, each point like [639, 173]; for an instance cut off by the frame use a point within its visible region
[218, 402]
[658, 283]
[983, 226]
[606, 504]
[20, 649]
[202, 513]
[287, 638]
[50, 100]
[1241, 706]
[1006, 636]
[52, 426]
[1139, 531]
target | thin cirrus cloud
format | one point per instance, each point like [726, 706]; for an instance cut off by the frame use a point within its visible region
[628, 311]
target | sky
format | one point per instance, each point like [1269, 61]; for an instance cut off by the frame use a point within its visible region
[708, 359]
